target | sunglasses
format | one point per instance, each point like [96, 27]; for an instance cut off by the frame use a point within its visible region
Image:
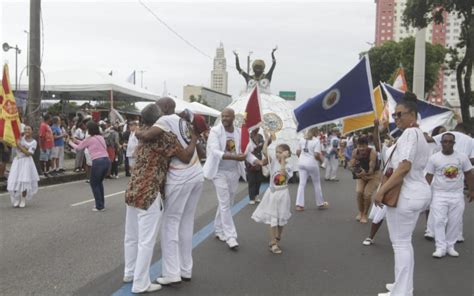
[398, 114]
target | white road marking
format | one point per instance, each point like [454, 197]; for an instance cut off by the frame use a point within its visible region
[91, 200]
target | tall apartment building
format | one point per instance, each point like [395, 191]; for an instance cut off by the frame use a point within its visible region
[219, 72]
[389, 26]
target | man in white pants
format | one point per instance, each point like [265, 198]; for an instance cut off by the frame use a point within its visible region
[332, 157]
[445, 173]
[224, 166]
[183, 189]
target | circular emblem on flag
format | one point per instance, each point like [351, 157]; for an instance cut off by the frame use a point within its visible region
[239, 120]
[185, 130]
[331, 99]
[272, 122]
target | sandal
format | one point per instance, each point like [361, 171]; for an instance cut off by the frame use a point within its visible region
[275, 249]
[299, 208]
[324, 206]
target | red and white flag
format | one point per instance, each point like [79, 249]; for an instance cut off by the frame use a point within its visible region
[400, 82]
[252, 118]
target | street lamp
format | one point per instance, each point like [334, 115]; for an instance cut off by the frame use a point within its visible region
[6, 48]
[27, 51]
[248, 62]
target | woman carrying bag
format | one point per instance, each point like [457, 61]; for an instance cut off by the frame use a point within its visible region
[405, 173]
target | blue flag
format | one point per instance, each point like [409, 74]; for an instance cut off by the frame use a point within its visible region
[429, 115]
[350, 96]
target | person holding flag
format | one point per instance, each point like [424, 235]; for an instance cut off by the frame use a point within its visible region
[224, 166]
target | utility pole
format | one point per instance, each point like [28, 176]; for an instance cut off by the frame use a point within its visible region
[419, 64]
[34, 79]
[141, 75]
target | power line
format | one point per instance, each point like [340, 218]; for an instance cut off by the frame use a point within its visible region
[173, 31]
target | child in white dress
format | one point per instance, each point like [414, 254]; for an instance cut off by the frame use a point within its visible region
[23, 178]
[274, 209]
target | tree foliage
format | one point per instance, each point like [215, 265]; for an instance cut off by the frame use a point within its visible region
[420, 13]
[199, 99]
[119, 105]
[385, 60]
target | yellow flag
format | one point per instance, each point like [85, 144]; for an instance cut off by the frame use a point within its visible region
[9, 118]
[367, 120]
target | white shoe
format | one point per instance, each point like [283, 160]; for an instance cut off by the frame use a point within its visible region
[23, 202]
[452, 252]
[252, 202]
[389, 287]
[127, 279]
[221, 237]
[16, 204]
[232, 243]
[152, 288]
[368, 241]
[168, 281]
[257, 199]
[97, 210]
[439, 253]
[384, 294]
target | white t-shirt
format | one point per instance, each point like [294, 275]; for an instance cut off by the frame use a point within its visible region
[227, 164]
[448, 172]
[79, 134]
[308, 149]
[179, 172]
[30, 146]
[131, 145]
[464, 143]
[413, 147]
[278, 178]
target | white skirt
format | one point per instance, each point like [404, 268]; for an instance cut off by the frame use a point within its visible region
[377, 214]
[274, 209]
[23, 176]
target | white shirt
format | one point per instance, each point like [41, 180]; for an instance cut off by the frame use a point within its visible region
[131, 145]
[179, 172]
[227, 164]
[278, 178]
[308, 149]
[464, 143]
[448, 172]
[413, 147]
[79, 134]
[30, 146]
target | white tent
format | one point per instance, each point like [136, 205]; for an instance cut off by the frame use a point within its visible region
[204, 110]
[182, 104]
[90, 85]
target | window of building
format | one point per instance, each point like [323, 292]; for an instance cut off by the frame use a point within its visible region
[383, 16]
[383, 24]
[383, 38]
[389, 24]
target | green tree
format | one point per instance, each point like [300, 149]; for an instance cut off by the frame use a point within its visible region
[420, 13]
[385, 60]
[118, 105]
[63, 108]
[199, 99]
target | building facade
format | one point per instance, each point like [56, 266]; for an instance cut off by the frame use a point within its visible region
[389, 26]
[212, 98]
[219, 73]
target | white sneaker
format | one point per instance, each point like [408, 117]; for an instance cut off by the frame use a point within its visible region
[452, 252]
[232, 243]
[439, 253]
[97, 210]
[368, 241]
[221, 237]
[168, 281]
[127, 279]
[389, 287]
[16, 204]
[251, 202]
[152, 288]
[257, 199]
[384, 294]
[23, 202]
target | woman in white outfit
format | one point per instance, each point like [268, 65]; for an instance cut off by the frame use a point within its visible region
[408, 161]
[23, 178]
[309, 154]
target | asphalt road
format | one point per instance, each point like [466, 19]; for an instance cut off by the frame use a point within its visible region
[58, 246]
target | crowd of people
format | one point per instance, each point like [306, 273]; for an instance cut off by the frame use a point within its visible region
[163, 156]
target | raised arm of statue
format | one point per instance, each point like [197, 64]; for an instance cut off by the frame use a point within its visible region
[270, 72]
[241, 72]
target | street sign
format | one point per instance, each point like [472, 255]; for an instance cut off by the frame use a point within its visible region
[288, 95]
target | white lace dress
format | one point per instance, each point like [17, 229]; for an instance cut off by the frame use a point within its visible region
[23, 174]
[274, 209]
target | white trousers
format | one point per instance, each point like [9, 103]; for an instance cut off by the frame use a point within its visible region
[430, 224]
[141, 229]
[226, 183]
[331, 168]
[401, 222]
[304, 173]
[61, 157]
[447, 214]
[177, 228]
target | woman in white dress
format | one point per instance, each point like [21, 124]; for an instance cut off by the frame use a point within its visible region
[409, 158]
[23, 178]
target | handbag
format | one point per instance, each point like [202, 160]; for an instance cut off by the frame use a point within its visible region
[390, 198]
